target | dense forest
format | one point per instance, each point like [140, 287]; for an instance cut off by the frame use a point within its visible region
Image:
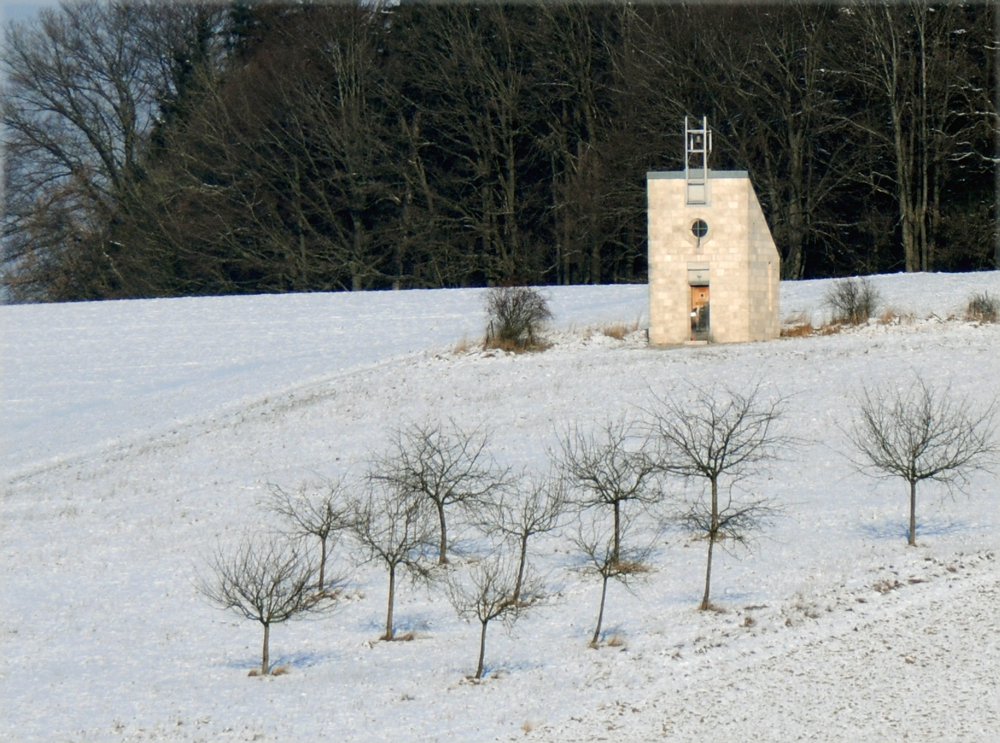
[166, 149]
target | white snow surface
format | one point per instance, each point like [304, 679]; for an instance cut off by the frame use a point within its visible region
[138, 436]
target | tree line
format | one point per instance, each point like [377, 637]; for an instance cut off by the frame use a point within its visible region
[168, 149]
[687, 461]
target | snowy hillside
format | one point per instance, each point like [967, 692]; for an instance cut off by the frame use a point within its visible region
[139, 435]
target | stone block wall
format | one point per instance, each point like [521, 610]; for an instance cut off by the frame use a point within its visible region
[737, 251]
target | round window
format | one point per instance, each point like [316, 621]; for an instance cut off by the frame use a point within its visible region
[699, 228]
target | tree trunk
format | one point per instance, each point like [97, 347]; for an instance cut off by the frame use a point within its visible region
[705, 604]
[615, 554]
[392, 596]
[443, 548]
[520, 569]
[712, 534]
[600, 614]
[482, 651]
[595, 262]
[322, 564]
[913, 514]
[265, 666]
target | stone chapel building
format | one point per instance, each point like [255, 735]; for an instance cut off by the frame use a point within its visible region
[713, 266]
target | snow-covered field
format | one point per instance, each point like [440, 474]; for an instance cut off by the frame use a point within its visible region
[139, 435]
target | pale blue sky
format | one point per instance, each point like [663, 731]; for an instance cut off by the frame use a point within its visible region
[22, 10]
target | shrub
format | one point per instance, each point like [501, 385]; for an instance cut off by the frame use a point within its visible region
[983, 308]
[516, 315]
[853, 300]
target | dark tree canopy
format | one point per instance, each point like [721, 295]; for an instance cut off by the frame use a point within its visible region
[164, 149]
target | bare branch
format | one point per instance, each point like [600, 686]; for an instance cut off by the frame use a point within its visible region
[610, 467]
[313, 510]
[443, 464]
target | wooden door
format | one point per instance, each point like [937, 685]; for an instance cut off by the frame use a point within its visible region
[699, 312]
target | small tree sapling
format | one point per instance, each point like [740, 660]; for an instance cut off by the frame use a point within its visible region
[486, 590]
[267, 580]
[611, 553]
[528, 506]
[392, 527]
[716, 435]
[609, 468]
[919, 433]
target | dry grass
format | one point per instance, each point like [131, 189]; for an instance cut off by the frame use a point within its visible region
[618, 330]
[464, 345]
[514, 346]
[527, 727]
[275, 671]
[885, 585]
[982, 308]
[797, 329]
[891, 317]
[616, 641]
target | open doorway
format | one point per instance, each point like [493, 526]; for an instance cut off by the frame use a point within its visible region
[700, 327]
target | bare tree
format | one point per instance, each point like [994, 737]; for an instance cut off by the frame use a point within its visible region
[717, 435]
[319, 510]
[489, 590]
[441, 463]
[609, 468]
[266, 580]
[923, 109]
[391, 525]
[599, 545]
[528, 507]
[920, 433]
[83, 83]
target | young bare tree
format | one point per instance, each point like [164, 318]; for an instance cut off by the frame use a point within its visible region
[714, 436]
[528, 507]
[609, 468]
[605, 557]
[317, 510]
[392, 526]
[919, 433]
[489, 590]
[266, 580]
[441, 463]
